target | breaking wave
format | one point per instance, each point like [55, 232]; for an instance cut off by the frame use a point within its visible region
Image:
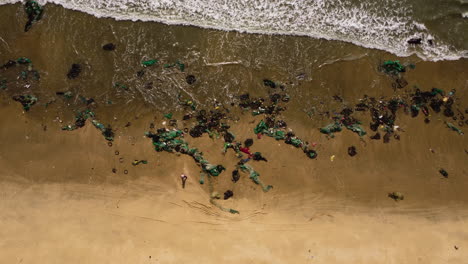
[383, 24]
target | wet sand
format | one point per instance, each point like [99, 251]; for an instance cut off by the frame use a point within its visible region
[62, 203]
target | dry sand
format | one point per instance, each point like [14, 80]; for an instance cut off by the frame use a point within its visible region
[61, 203]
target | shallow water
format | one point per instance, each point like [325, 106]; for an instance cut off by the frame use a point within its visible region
[384, 25]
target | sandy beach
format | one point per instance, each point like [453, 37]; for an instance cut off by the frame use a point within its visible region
[61, 201]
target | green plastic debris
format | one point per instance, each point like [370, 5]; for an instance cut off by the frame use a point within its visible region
[356, 128]
[331, 128]
[26, 100]
[168, 116]
[436, 91]
[137, 162]
[23, 60]
[34, 12]
[121, 86]
[279, 135]
[106, 132]
[254, 176]
[393, 67]
[454, 128]
[214, 170]
[148, 63]
[202, 178]
[261, 127]
[80, 120]
[180, 65]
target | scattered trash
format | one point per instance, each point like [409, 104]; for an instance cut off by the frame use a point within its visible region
[80, 120]
[397, 196]
[235, 175]
[332, 158]
[148, 63]
[34, 12]
[180, 65]
[74, 72]
[137, 162]
[168, 116]
[228, 194]
[248, 143]
[269, 83]
[190, 79]
[454, 128]
[443, 173]
[352, 151]
[415, 41]
[26, 100]
[258, 157]
[106, 131]
[392, 67]
[254, 176]
[109, 47]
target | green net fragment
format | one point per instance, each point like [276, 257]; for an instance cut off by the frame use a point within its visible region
[393, 67]
[147, 63]
[254, 176]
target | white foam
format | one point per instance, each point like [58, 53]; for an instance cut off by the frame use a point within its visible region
[383, 24]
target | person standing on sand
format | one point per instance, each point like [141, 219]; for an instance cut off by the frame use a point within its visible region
[184, 179]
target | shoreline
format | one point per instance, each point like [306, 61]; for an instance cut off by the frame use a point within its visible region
[78, 193]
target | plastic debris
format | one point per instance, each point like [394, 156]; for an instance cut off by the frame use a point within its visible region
[109, 47]
[443, 173]
[397, 196]
[106, 131]
[393, 67]
[190, 79]
[26, 100]
[454, 128]
[269, 83]
[80, 120]
[228, 194]
[137, 162]
[254, 176]
[74, 72]
[34, 12]
[331, 128]
[179, 65]
[148, 63]
[352, 151]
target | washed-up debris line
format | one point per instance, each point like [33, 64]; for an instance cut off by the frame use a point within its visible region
[172, 141]
[27, 69]
[34, 12]
[343, 119]
[384, 113]
[271, 130]
[26, 100]
[396, 70]
[272, 126]
[80, 121]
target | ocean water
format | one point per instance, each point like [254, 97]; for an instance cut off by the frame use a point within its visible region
[384, 24]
